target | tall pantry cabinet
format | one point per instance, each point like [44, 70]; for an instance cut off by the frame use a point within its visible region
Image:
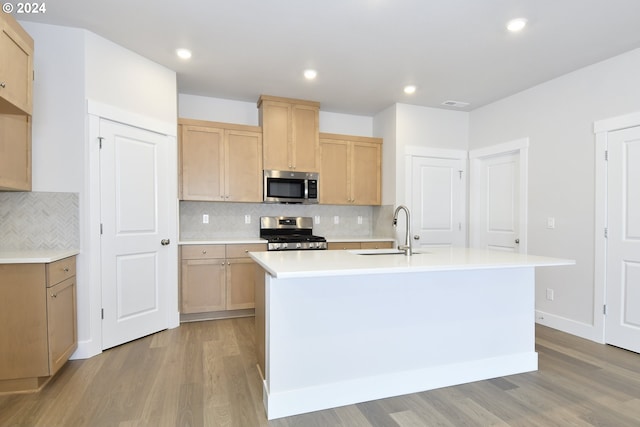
[16, 85]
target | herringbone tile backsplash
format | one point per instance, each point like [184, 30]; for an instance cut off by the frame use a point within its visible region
[31, 221]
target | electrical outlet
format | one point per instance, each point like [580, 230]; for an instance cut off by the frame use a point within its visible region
[247, 219]
[316, 219]
[359, 219]
[551, 222]
[336, 219]
[549, 294]
[205, 219]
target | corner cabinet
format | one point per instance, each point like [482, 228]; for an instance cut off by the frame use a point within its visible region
[350, 170]
[290, 129]
[38, 329]
[16, 85]
[220, 161]
[217, 281]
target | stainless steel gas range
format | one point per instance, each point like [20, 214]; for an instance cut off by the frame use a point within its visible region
[286, 233]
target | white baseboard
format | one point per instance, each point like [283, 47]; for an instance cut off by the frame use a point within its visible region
[580, 329]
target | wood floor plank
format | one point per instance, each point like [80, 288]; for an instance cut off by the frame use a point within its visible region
[204, 374]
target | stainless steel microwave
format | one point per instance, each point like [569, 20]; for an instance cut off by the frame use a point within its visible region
[290, 187]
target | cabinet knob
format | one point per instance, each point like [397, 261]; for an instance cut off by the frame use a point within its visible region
[204, 252]
[66, 269]
[54, 295]
[246, 251]
[3, 85]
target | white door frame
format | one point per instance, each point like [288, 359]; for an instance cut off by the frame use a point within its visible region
[601, 128]
[520, 147]
[96, 111]
[438, 153]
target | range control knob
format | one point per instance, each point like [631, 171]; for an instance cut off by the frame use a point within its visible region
[298, 245]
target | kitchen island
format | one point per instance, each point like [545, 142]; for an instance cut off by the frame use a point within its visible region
[339, 327]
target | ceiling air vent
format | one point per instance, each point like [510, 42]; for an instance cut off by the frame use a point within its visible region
[457, 104]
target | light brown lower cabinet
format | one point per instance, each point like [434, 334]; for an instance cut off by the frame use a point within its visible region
[38, 328]
[217, 280]
[360, 245]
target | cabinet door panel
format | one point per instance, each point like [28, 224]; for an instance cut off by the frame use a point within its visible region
[305, 138]
[202, 287]
[15, 152]
[15, 70]
[243, 163]
[241, 275]
[61, 317]
[201, 161]
[23, 316]
[365, 173]
[276, 134]
[334, 176]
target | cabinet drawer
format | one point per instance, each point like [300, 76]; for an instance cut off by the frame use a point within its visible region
[61, 270]
[202, 251]
[242, 251]
[376, 245]
[343, 245]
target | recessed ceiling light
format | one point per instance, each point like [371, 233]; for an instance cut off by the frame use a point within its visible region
[516, 25]
[310, 74]
[183, 53]
[409, 89]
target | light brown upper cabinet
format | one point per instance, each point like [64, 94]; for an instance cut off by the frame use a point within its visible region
[220, 161]
[16, 82]
[16, 67]
[290, 133]
[351, 170]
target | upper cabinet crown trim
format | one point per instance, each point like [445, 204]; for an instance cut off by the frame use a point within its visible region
[353, 138]
[209, 124]
[287, 100]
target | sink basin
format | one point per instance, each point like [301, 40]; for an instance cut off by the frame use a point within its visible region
[369, 252]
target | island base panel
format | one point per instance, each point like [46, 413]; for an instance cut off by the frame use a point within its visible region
[334, 341]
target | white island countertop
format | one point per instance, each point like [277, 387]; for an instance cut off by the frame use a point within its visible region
[292, 264]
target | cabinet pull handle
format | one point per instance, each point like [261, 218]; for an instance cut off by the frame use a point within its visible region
[54, 295]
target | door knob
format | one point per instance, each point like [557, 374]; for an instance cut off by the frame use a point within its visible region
[416, 237]
[165, 242]
[517, 241]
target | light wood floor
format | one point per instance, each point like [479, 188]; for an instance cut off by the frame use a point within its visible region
[204, 374]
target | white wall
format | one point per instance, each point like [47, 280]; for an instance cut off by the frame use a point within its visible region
[58, 108]
[558, 118]
[246, 113]
[118, 77]
[403, 125]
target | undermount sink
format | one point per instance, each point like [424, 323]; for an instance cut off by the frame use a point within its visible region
[384, 252]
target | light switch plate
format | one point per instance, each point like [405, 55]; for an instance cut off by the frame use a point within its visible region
[247, 219]
[336, 219]
[205, 218]
[316, 219]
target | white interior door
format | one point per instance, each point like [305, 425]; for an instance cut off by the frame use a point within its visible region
[622, 326]
[134, 219]
[437, 201]
[499, 196]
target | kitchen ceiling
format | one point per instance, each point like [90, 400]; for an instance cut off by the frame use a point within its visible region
[365, 51]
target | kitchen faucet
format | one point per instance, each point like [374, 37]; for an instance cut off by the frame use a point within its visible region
[408, 251]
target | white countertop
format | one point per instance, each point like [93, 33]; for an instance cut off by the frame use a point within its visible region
[237, 241]
[293, 264]
[35, 256]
